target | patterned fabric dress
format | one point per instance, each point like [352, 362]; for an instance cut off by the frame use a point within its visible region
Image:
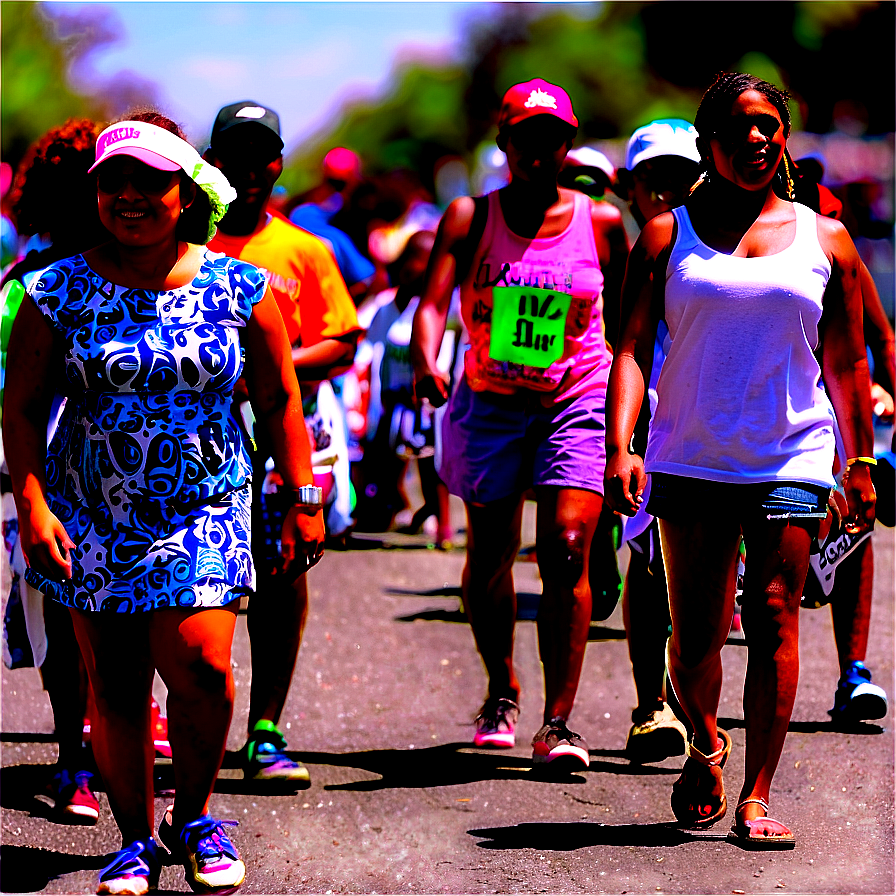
[148, 471]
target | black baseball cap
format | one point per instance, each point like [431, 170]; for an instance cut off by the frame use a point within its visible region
[247, 112]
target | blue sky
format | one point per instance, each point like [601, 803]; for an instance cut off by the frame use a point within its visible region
[302, 59]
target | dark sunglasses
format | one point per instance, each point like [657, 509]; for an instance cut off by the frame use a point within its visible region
[111, 178]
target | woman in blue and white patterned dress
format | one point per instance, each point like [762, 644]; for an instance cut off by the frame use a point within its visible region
[137, 516]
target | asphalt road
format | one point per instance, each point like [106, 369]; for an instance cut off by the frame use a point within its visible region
[380, 710]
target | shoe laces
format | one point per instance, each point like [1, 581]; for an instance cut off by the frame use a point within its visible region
[129, 861]
[558, 726]
[209, 838]
[495, 713]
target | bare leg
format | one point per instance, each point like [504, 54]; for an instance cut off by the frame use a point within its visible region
[645, 613]
[701, 572]
[276, 620]
[851, 605]
[565, 526]
[192, 652]
[65, 680]
[776, 572]
[116, 653]
[493, 540]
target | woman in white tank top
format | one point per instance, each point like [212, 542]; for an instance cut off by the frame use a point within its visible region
[760, 296]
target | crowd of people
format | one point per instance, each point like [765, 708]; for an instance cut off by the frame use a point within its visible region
[205, 384]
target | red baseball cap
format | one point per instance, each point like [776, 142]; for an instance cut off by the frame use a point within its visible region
[342, 164]
[535, 97]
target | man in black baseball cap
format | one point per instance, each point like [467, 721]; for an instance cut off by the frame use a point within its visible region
[322, 326]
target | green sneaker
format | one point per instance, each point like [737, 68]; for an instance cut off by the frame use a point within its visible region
[265, 759]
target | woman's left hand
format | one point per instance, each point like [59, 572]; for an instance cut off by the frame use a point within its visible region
[302, 539]
[860, 498]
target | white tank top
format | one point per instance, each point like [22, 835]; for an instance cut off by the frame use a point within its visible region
[739, 398]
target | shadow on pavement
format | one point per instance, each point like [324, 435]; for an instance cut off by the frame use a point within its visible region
[440, 766]
[810, 726]
[19, 785]
[567, 836]
[27, 869]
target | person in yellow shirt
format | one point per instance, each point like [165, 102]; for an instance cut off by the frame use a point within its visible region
[322, 327]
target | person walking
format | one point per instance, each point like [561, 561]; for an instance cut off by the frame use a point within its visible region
[754, 289]
[137, 516]
[661, 165]
[537, 265]
[322, 327]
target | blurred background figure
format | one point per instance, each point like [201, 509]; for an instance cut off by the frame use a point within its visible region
[315, 210]
[55, 167]
[587, 170]
[397, 431]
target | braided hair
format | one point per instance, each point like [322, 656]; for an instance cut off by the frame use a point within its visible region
[716, 106]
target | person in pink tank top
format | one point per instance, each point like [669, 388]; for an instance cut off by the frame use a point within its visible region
[539, 269]
[761, 296]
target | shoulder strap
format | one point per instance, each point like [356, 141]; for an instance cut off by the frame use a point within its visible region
[463, 254]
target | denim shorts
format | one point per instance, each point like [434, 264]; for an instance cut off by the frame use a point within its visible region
[496, 445]
[680, 498]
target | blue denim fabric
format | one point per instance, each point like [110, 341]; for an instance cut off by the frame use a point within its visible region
[683, 498]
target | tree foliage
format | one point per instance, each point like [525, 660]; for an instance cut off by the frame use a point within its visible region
[628, 63]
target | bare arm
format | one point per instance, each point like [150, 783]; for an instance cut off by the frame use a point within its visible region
[845, 366]
[611, 241]
[432, 312]
[277, 403]
[33, 366]
[642, 308]
[878, 334]
[325, 359]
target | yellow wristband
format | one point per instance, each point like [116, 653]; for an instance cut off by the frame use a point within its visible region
[871, 461]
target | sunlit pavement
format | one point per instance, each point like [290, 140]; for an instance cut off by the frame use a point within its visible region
[387, 685]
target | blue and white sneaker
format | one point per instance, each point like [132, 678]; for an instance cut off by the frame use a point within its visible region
[857, 699]
[134, 870]
[211, 862]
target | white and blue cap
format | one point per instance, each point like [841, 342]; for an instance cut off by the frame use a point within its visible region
[664, 137]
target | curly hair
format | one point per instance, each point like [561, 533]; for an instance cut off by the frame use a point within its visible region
[193, 226]
[53, 193]
[715, 107]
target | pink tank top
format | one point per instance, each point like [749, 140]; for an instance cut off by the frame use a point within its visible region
[534, 311]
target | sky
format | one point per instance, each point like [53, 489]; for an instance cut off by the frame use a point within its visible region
[302, 59]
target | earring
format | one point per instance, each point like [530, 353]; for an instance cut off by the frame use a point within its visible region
[788, 180]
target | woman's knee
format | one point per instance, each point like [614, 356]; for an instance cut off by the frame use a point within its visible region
[561, 555]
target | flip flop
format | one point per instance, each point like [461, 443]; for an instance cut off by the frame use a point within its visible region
[741, 833]
[695, 801]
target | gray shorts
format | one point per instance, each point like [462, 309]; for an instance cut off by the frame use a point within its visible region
[496, 445]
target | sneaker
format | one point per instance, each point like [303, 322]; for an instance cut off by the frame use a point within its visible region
[496, 724]
[211, 862]
[74, 801]
[555, 743]
[856, 699]
[265, 759]
[134, 870]
[655, 736]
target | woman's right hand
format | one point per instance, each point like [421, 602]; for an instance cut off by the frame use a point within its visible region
[432, 386]
[45, 544]
[624, 482]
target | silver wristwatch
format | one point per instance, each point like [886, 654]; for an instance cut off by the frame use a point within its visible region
[310, 496]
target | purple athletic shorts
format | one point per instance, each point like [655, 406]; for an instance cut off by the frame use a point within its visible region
[498, 445]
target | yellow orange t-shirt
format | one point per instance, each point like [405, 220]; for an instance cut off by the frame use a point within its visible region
[303, 277]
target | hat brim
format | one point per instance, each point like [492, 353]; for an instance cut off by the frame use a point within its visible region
[147, 156]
